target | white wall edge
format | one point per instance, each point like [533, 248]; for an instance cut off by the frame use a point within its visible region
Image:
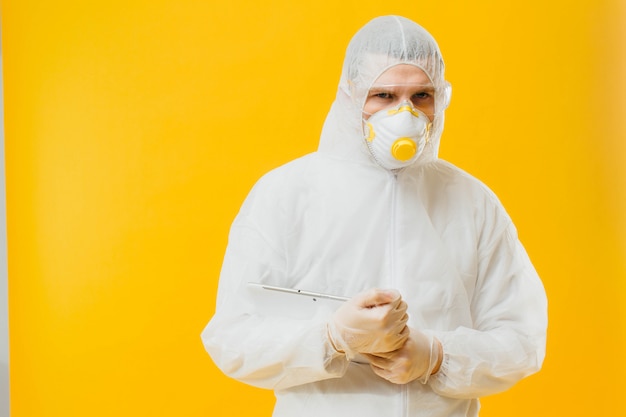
[4, 282]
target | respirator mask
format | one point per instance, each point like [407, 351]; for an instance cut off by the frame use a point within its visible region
[396, 137]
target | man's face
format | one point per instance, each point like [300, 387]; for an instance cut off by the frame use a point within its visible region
[398, 84]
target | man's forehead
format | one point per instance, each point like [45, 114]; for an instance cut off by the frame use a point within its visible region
[402, 86]
[402, 74]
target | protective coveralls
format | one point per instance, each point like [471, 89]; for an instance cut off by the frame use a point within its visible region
[335, 221]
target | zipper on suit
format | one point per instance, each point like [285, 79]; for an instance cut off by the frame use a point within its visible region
[393, 236]
[404, 396]
[393, 232]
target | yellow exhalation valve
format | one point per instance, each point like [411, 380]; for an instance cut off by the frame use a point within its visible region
[403, 149]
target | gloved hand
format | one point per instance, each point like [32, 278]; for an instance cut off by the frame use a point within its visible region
[372, 321]
[418, 358]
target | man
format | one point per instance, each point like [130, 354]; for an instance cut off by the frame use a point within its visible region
[463, 314]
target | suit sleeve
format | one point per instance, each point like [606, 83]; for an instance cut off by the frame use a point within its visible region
[509, 312]
[267, 351]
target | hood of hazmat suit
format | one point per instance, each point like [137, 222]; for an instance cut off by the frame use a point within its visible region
[335, 221]
[385, 42]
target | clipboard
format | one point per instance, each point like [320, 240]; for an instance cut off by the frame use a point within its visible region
[290, 302]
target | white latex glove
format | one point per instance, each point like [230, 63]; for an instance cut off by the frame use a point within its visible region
[418, 358]
[372, 321]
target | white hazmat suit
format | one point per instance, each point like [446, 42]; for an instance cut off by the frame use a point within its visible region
[337, 222]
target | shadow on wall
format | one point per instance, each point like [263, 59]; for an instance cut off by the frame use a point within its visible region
[4, 389]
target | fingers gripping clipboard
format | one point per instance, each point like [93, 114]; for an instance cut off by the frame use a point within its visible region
[290, 302]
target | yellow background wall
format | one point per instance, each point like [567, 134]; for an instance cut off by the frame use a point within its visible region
[135, 128]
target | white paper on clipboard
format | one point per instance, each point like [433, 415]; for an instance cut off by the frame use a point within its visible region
[289, 302]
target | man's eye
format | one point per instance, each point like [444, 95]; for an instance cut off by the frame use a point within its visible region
[383, 95]
[421, 95]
